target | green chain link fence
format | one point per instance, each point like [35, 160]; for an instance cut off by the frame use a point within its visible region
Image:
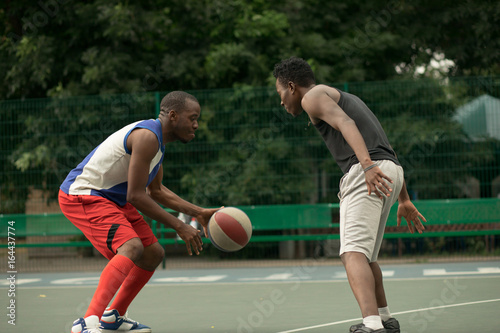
[248, 151]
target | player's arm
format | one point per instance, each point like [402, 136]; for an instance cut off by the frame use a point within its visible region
[319, 105]
[162, 195]
[143, 145]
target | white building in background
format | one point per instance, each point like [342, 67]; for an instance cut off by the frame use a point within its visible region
[480, 117]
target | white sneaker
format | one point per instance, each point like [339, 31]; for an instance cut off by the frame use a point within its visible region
[111, 321]
[86, 325]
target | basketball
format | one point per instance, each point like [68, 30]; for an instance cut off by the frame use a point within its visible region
[229, 229]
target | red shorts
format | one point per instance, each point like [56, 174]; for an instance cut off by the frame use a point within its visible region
[105, 224]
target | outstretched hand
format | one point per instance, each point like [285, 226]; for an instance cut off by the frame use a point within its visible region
[376, 181]
[191, 236]
[204, 217]
[412, 216]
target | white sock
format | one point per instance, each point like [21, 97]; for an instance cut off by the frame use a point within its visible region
[373, 322]
[384, 313]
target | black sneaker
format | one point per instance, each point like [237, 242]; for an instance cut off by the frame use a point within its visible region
[363, 329]
[391, 325]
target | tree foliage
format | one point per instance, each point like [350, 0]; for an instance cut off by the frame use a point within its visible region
[63, 48]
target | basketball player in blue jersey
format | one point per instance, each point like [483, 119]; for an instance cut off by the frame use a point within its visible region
[102, 196]
[373, 180]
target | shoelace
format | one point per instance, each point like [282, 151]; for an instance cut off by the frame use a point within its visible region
[126, 318]
[95, 329]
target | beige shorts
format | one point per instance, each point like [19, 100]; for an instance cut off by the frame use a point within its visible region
[362, 216]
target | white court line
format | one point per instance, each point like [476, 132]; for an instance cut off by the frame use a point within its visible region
[278, 276]
[386, 274]
[396, 313]
[242, 283]
[480, 270]
[206, 278]
[19, 282]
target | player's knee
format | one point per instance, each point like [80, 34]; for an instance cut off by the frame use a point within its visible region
[132, 249]
[152, 257]
[157, 254]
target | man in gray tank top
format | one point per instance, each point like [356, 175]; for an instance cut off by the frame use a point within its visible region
[373, 180]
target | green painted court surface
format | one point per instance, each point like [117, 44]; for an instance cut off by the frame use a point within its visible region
[421, 304]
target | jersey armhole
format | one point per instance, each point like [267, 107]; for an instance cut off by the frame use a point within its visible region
[138, 127]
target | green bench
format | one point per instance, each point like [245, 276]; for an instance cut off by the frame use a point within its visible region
[446, 218]
[40, 225]
[451, 218]
[275, 223]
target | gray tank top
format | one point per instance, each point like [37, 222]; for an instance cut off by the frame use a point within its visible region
[375, 138]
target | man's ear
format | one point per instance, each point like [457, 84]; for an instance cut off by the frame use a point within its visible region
[291, 86]
[172, 115]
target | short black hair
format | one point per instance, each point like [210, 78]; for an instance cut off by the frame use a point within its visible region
[296, 70]
[176, 100]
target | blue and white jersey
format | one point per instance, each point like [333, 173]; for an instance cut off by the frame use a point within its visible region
[104, 172]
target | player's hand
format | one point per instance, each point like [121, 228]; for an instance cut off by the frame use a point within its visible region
[407, 210]
[205, 216]
[377, 182]
[191, 237]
